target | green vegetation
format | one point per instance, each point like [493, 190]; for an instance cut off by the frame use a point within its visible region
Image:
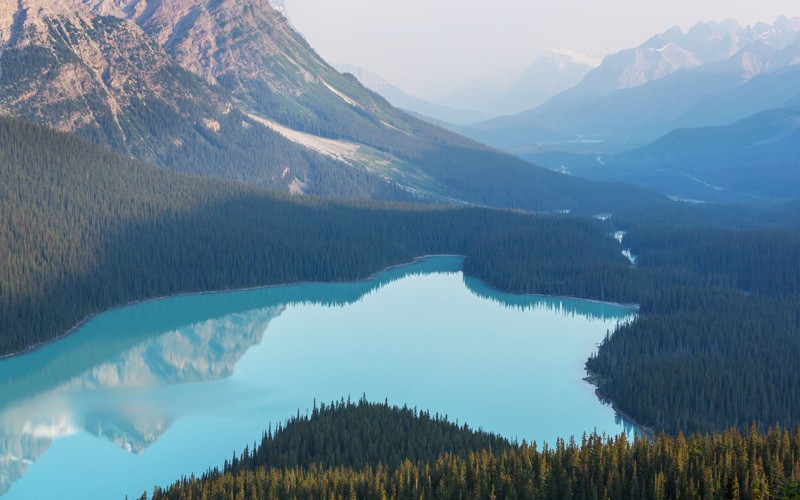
[84, 229]
[703, 359]
[347, 450]
[162, 113]
[719, 328]
[714, 344]
[362, 434]
[547, 261]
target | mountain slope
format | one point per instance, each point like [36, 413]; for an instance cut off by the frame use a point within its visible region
[754, 160]
[420, 108]
[104, 79]
[228, 89]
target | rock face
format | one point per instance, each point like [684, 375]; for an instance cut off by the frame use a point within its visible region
[99, 76]
[221, 39]
[706, 43]
[250, 49]
[89, 67]
[227, 40]
[227, 88]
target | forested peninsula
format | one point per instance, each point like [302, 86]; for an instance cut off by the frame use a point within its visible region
[369, 450]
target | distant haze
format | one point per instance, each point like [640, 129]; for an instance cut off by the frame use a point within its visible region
[429, 47]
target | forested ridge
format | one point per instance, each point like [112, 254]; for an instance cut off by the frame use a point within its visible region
[85, 229]
[715, 341]
[349, 450]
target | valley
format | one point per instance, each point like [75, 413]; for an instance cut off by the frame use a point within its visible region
[713, 104]
[154, 151]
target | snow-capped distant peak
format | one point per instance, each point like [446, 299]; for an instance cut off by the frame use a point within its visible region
[577, 57]
[279, 6]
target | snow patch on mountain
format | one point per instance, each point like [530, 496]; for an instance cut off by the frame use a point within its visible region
[576, 57]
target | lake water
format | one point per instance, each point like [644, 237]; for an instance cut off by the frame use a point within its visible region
[144, 394]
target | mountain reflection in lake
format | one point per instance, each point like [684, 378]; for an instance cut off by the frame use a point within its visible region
[173, 386]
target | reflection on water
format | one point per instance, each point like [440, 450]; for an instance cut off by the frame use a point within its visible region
[129, 375]
[105, 400]
[561, 305]
[85, 381]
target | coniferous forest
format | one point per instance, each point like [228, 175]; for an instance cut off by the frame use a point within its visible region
[191, 121]
[85, 229]
[718, 327]
[367, 450]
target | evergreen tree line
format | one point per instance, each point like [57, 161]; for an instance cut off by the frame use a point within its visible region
[716, 339]
[304, 460]
[84, 229]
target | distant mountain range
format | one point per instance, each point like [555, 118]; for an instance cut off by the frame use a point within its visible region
[706, 115]
[228, 89]
[554, 71]
[419, 107]
[713, 74]
[754, 160]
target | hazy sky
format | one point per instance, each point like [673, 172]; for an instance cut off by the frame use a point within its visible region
[427, 46]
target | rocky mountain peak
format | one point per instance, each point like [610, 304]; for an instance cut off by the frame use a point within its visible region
[573, 57]
[706, 43]
[72, 52]
[97, 75]
[213, 39]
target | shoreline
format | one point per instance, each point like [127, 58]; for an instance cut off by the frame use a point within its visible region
[90, 316]
[592, 378]
[635, 307]
[372, 276]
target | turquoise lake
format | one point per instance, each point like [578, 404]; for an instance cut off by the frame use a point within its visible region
[141, 395]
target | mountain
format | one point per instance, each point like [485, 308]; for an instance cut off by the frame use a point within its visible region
[228, 89]
[754, 160]
[664, 54]
[553, 72]
[103, 78]
[280, 6]
[424, 110]
[550, 73]
[675, 79]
